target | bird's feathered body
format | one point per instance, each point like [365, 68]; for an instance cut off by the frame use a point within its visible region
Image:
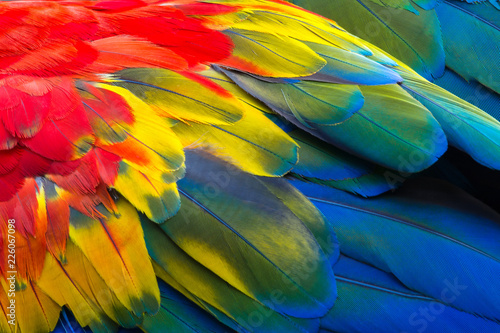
[225, 148]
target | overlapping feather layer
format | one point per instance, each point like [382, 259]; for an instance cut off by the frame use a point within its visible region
[143, 140]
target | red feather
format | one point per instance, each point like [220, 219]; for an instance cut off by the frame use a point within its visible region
[23, 115]
[69, 138]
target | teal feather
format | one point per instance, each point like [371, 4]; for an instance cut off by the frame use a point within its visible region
[418, 44]
[324, 164]
[349, 67]
[426, 4]
[400, 30]
[492, 2]
[472, 92]
[467, 127]
[473, 55]
[385, 135]
[390, 126]
[309, 102]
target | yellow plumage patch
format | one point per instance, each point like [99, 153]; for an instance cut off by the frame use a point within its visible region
[117, 250]
[255, 144]
[158, 199]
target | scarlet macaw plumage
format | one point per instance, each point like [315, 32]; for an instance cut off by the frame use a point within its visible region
[237, 165]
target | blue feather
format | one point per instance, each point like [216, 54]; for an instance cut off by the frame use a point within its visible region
[371, 300]
[429, 235]
[68, 324]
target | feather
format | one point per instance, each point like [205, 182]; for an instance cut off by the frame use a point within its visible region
[406, 4]
[118, 254]
[7, 141]
[352, 68]
[429, 234]
[216, 294]
[23, 115]
[144, 148]
[220, 316]
[180, 315]
[485, 10]
[71, 137]
[255, 145]
[96, 289]
[266, 55]
[63, 291]
[371, 300]
[30, 233]
[68, 324]
[178, 97]
[467, 127]
[119, 52]
[305, 28]
[307, 213]
[57, 221]
[159, 200]
[409, 34]
[324, 164]
[398, 31]
[220, 223]
[109, 115]
[426, 4]
[34, 311]
[474, 55]
[399, 138]
[4, 313]
[222, 80]
[472, 92]
[186, 36]
[101, 102]
[310, 102]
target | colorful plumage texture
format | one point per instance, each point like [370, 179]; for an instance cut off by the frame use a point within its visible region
[249, 166]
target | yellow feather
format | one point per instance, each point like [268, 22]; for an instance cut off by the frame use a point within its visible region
[254, 144]
[176, 96]
[159, 200]
[55, 282]
[35, 311]
[117, 250]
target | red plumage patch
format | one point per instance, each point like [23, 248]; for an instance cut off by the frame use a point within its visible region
[107, 164]
[22, 114]
[54, 124]
[200, 9]
[117, 6]
[10, 160]
[169, 27]
[10, 183]
[69, 138]
[119, 52]
[7, 141]
[64, 99]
